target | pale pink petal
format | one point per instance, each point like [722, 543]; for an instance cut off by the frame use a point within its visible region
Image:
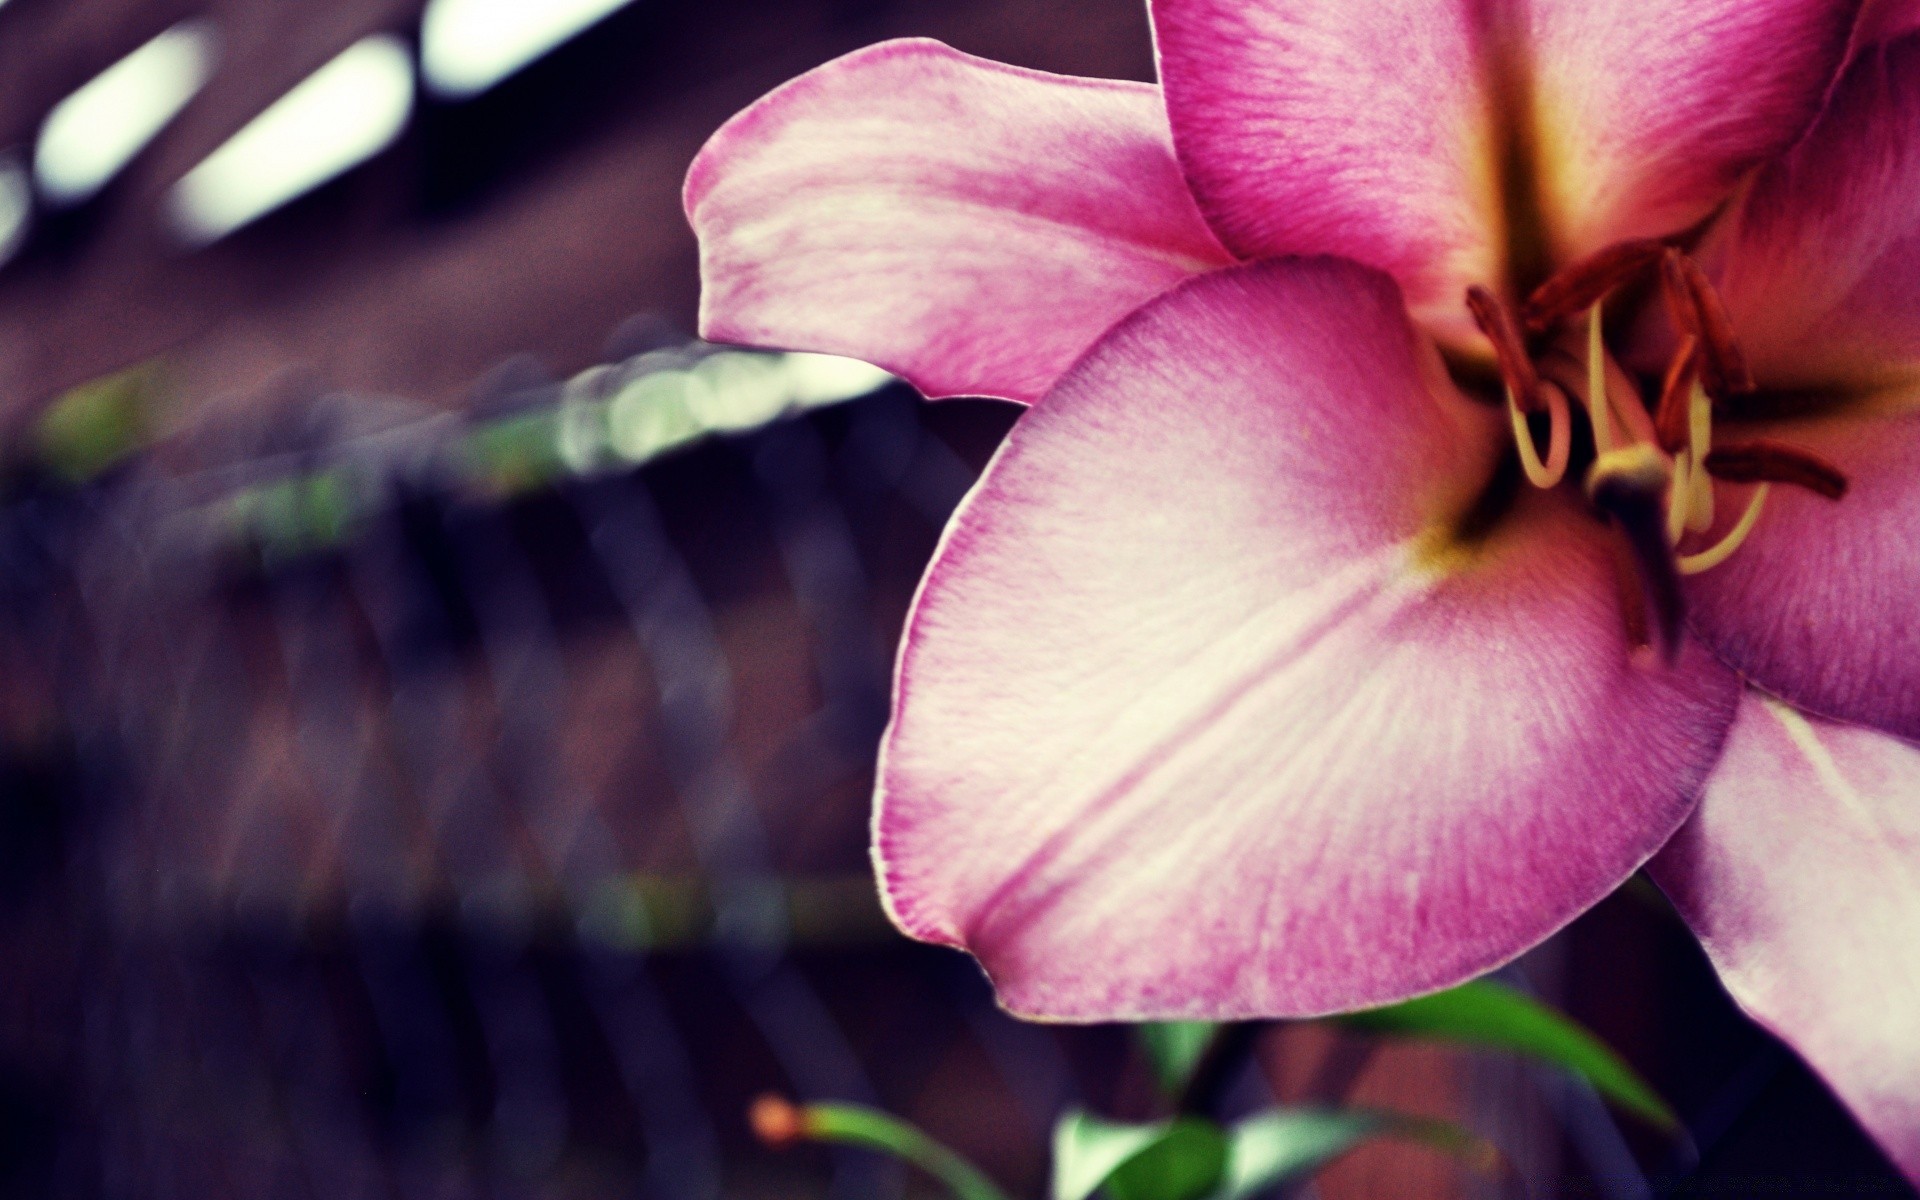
[967, 225]
[1202, 713]
[1650, 113]
[1822, 604]
[1821, 265]
[1308, 126]
[1801, 873]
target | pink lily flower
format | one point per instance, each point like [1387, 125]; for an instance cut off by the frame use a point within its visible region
[1475, 453]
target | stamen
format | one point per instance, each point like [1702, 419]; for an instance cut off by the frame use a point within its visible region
[1680, 496]
[1598, 407]
[1509, 348]
[1700, 444]
[1723, 367]
[1585, 282]
[1559, 439]
[1699, 421]
[1720, 551]
[1628, 485]
[1679, 296]
[1699, 501]
[1765, 461]
[1670, 418]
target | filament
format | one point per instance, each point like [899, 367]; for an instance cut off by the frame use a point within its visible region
[1559, 439]
[1597, 403]
[1720, 551]
[1680, 496]
[1700, 443]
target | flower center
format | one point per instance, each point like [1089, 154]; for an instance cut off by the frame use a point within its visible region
[1653, 468]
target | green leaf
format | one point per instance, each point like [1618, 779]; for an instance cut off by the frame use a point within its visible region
[858, 1125]
[1283, 1144]
[97, 424]
[1167, 1160]
[1175, 1049]
[1486, 1013]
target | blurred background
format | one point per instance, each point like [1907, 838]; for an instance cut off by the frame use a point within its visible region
[438, 695]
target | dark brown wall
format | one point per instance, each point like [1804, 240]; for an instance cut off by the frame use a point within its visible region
[376, 283]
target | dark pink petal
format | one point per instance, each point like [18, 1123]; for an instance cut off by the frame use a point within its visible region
[1202, 712]
[1351, 129]
[1650, 113]
[1822, 604]
[967, 225]
[1884, 20]
[1382, 131]
[1801, 873]
[1821, 266]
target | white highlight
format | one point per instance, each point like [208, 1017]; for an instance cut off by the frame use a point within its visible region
[92, 134]
[334, 119]
[728, 391]
[467, 46]
[828, 378]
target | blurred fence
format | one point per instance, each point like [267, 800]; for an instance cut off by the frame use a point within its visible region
[404, 804]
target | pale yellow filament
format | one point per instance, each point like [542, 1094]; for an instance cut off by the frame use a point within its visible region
[1700, 441]
[1700, 502]
[1679, 495]
[1559, 440]
[1599, 408]
[1720, 551]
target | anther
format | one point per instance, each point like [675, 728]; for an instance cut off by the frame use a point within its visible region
[1670, 417]
[1720, 551]
[1630, 485]
[777, 1121]
[1579, 286]
[1766, 461]
[1509, 348]
[1698, 309]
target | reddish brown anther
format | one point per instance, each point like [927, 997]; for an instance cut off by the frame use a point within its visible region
[776, 1121]
[1670, 415]
[1766, 461]
[1697, 308]
[1580, 286]
[1509, 348]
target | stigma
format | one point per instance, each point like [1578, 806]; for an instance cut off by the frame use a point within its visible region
[1654, 469]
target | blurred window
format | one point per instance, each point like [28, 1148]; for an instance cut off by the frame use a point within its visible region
[467, 46]
[92, 134]
[341, 115]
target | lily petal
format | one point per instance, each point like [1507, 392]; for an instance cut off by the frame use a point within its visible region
[1649, 114]
[1202, 713]
[1435, 139]
[1801, 873]
[1308, 127]
[1821, 264]
[1884, 20]
[1821, 605]
[967, 225]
